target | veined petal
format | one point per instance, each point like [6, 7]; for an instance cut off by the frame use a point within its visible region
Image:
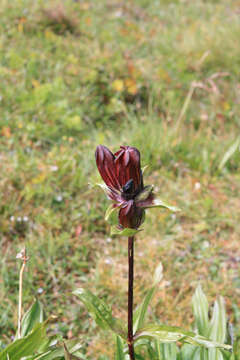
[128, 166]
[106, 166]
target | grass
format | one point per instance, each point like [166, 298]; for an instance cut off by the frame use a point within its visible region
[84, 73]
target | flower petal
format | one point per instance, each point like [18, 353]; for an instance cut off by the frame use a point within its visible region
[106, 167]
[128, 166]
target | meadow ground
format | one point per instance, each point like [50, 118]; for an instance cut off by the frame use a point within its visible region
[159, 75]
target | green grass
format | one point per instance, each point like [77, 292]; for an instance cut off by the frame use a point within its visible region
[115, 73]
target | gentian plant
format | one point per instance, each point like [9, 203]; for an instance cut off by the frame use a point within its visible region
[124, 186]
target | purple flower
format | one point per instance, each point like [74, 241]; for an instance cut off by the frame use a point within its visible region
[122, 175]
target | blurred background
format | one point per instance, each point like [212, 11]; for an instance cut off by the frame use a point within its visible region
[159, 75]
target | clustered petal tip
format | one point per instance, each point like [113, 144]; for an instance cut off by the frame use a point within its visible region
[122, 174]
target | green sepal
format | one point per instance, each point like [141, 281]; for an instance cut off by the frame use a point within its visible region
[110, 211]
[123, 232]
[162, 204]
[144, 194]
[103, 187]
[144, 168]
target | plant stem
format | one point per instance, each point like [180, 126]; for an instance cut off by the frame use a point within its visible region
[130, 295]
[24, 259]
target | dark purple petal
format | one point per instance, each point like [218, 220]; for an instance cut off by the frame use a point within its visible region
[128, 166]
[130, 216]
[107, 167]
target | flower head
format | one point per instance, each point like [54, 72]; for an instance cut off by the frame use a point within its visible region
[122, 174]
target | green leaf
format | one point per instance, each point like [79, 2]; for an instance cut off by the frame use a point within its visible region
[218, 322]
[167, 351]
[55, 352]
[68, 355]
[140, 312]
[124, 232]
[168, 334]
[215, 354]
[200, 311]
[162, 204]
[26, 346]
[32, 317]
[158, 274]
[100, 311]
[218, 328]
[229, 153]
[188, 351]
[119, 353]
[163, 333]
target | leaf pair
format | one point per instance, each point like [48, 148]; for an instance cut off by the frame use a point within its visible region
[210, 337]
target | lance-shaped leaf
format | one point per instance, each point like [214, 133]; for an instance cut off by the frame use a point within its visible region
[32, 317]
[229, 153]
[119, 352]
[57, 351]
[200, 311]
[166, 351]
[218, 327]
[219, 321]
[27, 345]
[115, 230]
[140, 312]
[100, 311]
[169, 334]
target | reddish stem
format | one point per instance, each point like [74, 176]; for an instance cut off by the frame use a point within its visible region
[130, 295]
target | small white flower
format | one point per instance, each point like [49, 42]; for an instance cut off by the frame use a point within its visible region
[108, 261]
[59, 198]
[197, 186]
[54, 168]
[12, 218]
